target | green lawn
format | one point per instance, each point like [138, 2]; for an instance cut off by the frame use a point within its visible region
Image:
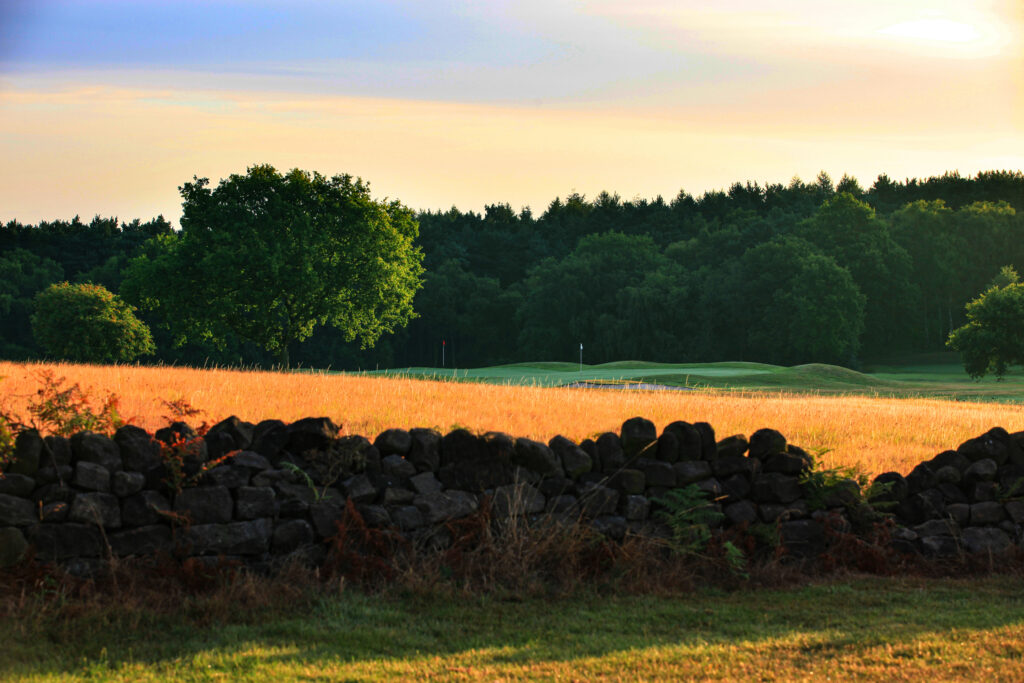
[867, 628]
[936, 375]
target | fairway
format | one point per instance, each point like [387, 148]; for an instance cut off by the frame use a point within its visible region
[932, 376]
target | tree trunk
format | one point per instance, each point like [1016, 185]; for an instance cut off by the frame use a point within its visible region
[284, 360]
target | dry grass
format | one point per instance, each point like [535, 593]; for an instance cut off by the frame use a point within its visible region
[876, 434]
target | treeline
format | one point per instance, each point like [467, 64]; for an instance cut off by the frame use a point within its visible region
[804, 272]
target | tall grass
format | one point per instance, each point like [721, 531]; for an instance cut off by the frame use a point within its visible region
[875, 434]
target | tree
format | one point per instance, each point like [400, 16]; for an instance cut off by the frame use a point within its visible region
[22, 275]
[993, 338]
[271, 257]
[798, 305]
[88, 323]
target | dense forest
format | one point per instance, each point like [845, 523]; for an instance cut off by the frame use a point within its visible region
[804, 272]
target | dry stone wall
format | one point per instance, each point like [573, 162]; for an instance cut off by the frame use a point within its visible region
[258, 493]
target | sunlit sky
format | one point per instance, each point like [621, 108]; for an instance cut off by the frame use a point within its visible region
[108, 106]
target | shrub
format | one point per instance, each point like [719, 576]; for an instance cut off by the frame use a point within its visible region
[88, 323]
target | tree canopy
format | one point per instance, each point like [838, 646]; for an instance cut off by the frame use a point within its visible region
[87, 323]
[993, 338]
[270, 257]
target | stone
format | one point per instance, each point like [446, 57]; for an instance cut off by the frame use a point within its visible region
[989, 512]
[984, 469]
[555, 486]
[48, 475]
[408, 518]
[144, 508]
[982, 491]
[937, 527]
[843, 493]
[536, 456]
[124, 483]
[443, 506]
[959, 513]
[992, 445]
[228, 475]
[12, 546]
[236, 538]
[290, 535]
[375, 516]
[359, 489]
[15, 511]
[96, 448]
[1015, 511]
[741, 512]
[611, 457]
[205, 505]
[395, 495]
[657, 473]
[691, 471]
[250, 460]
[920, 478]
[688, 439]
[787, 463]
[727, 465]
[802, 537]
[888, 487]
[561, 504]
[667, 449]
[732, 446]
[988, 540]
[517, 499]
[20, 485]
[635, 508]
[638, 436]
[737, 487]
[29, 448]
[597, 500]
[708, 444]
[957, 461]
[311, 434]
[425, 449]
[54, 512]
[939, 546]
[772, 512]
[393, 442]
[269, 438]
[324, 515]
[294, 499]
[56, 542]
[396, 466]
[139, 451]
[628, 481]
[143, 541]
[274, 477]
[96, 508]
[612, 526]
[425, 482]
[230, 434]
[575, 460]
[947, 474]
[774, 487]
[711, 487]
[91, 476]
[766, 442]
[60, 450]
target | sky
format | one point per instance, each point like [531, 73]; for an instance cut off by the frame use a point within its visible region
[107, 106]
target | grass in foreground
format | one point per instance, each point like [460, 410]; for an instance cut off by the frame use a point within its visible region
[867, 628]
[875, 434]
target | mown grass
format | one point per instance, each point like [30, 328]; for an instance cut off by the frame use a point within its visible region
[855, 628]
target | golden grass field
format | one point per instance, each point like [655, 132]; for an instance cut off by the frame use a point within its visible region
[874, 434]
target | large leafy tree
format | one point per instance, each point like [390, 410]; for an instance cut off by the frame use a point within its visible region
[22, 275]
[993, 338]
[269, 257]
[88, 323]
